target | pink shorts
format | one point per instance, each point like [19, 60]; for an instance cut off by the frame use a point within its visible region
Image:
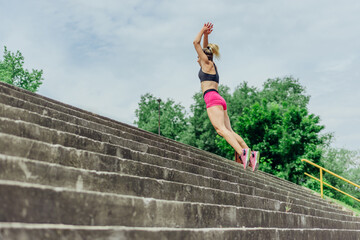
[213, 98]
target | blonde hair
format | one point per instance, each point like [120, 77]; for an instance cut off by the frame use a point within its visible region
[215, 50]
[211, 50]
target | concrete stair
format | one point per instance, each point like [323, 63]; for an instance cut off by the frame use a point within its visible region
[66, 173]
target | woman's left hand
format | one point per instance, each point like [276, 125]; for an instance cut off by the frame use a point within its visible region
[208, 28]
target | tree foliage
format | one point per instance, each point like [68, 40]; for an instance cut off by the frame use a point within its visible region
[12, 71]
[273, 120]
[284, 135]
[172, 116]
[287, 88]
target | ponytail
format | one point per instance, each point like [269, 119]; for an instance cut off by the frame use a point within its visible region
[214, 49]
[211, 50]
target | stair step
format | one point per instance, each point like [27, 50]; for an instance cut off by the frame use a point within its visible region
[106, 134]
[9, 145]
[177, 161]
[33, 203]
[71, 232]
[66, 173]
[135, 132]
[54, 175]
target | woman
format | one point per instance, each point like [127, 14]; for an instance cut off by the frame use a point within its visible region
[215, 104]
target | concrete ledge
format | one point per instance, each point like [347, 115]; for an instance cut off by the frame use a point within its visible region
[38, 204]
[32, 131]
[83, 164]
[17, 169]
[109, 137]
[71, 232]
[105, 134]
[13, 91]
[82, 159]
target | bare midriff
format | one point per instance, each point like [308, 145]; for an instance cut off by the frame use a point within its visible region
[205, 85]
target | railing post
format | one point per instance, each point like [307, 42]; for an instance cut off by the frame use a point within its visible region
[321, 183]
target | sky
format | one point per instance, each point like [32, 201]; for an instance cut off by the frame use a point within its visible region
[101, 56]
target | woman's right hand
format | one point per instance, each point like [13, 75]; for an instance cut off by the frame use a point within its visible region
[208, 28]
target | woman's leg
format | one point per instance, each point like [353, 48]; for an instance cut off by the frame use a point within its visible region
[228, 126]
[217, 118]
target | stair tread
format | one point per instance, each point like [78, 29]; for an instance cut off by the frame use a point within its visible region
[203, 152]
[78, 173]
[18, 225]
[101, 145]
[203, 179]
[137, 185]
[147, 200]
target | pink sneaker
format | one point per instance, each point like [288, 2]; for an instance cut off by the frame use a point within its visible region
[237, 158]
[254, 160]
[245, 156]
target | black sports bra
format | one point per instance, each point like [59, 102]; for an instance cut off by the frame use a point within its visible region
[209, 77]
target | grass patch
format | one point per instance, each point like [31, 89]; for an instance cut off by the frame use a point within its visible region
[355, 210]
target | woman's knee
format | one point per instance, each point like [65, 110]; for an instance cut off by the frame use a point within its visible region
[221, 130]
[230, 129]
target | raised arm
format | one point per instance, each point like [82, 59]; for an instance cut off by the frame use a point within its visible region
[208, 29]
[206, 34]
[206, 40]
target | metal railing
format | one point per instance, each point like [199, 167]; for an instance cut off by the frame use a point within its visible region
[322, 182]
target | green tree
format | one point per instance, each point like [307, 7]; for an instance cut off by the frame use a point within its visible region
[12, 72]
[284, 135]
[172, 116]
[286, 89]
[243, 96]
[275, 121]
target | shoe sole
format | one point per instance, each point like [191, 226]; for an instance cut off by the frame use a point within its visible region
[257, 162]
[237, 158]
[247, 159]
